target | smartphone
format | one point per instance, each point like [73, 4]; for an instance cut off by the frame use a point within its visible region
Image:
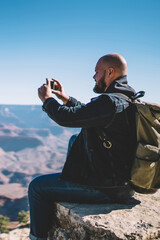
[52, 84]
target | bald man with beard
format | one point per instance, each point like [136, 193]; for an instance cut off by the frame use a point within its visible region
[99, 159]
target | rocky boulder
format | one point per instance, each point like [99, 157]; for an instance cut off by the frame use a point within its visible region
[17, 234]
[137, 220]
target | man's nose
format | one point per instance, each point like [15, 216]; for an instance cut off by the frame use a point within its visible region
[94, 76]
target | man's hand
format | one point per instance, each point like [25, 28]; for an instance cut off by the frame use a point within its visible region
[44, 91]
[59, 91]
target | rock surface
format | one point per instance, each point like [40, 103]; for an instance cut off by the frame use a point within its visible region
[138, 220]
[17, 234]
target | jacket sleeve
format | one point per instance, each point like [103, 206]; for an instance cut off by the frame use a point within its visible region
[72, 102]
[98, 112]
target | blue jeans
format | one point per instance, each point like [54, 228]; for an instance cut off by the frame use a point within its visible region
[47, 189]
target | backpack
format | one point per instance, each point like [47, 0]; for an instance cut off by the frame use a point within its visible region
[145, 173]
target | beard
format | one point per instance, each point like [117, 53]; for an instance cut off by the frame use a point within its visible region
[101, 87]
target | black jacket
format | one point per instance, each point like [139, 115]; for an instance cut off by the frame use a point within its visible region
[106, 116]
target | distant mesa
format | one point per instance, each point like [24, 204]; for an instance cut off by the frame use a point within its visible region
[34, 131]
[43, 132]
[19, 177]
[6, 172]
[16, 144]
[6, 131]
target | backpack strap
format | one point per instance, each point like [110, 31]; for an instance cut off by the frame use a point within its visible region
[138, 95]
[102, 135]
[131, 99]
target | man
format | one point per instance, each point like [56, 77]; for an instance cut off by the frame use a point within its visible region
[99, 160]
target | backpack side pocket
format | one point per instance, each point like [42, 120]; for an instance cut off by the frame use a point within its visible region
[146, 167]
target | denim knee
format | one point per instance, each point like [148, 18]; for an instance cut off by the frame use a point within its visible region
[71, 141]
[34, 186]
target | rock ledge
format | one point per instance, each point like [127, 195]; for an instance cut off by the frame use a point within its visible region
[138, 220]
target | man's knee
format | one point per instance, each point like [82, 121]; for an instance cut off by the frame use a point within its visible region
[73, 138]
[34, 186]
[71, 141]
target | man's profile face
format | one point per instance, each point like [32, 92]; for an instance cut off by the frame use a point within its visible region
[100, 85]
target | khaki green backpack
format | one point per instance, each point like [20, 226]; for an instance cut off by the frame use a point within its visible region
[145, 173]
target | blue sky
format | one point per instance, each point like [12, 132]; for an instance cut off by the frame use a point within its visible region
[65, 38]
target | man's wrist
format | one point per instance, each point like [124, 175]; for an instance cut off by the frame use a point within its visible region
[44, 99]
[65, 100]
[46, 102]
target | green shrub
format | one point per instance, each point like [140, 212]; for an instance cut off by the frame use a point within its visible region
[4, 221]
[23, 217]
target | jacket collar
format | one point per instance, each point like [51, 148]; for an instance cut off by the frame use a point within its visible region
[120, 85]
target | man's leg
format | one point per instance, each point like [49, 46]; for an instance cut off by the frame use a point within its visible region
[71, 141]
[47, 189]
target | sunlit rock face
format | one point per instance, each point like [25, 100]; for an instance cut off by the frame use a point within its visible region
[137, 220]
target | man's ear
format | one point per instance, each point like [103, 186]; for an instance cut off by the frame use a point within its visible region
[110, 71]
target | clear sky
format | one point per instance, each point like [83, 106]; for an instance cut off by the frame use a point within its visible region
[65, 38]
